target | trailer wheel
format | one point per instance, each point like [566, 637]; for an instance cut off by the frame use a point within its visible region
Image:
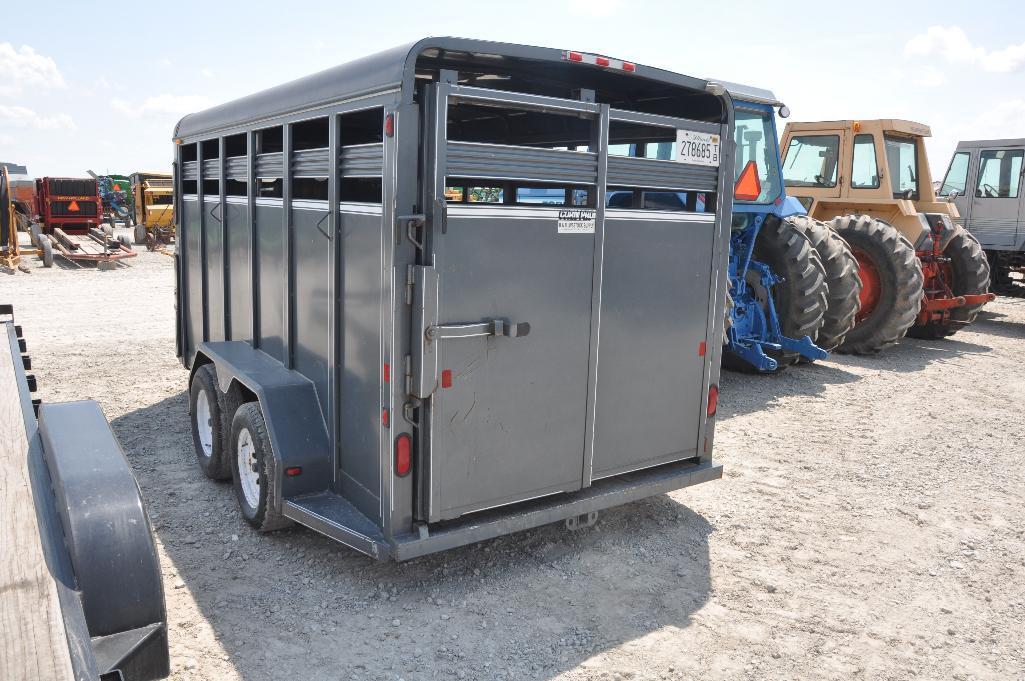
[140, 234]
[124, 241]
[969, 270]
[892, 280]
[842, 280]
[109, 229]
[33, 234]
[252, 469]
[46, 249]
[208, 423]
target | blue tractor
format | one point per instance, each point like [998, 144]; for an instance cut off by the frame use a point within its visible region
[793, 282]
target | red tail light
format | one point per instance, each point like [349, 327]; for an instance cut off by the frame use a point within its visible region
[293, 471]
[403, 455]
[713, 400]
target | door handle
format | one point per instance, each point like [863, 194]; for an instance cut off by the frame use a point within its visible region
[495, 327]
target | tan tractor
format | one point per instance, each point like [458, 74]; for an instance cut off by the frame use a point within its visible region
[154, 209]
[921, 274]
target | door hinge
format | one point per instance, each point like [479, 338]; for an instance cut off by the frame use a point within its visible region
[409, 284]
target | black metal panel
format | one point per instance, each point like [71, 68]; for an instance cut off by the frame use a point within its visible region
[497, 161]
[312, 351]
[215, 276]
[626, 171]
[362, 160]
[236, 217]
[270, 249]
[269, 165]
[70, 186]
[311, 163]
[83, 209]
[191, 229]
[359, 400]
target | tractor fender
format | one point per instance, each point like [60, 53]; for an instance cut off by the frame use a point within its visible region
[939, 225]
[290, 408]
[108, 539]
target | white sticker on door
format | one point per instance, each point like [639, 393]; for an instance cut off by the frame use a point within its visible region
[697, 148]
[577, 221]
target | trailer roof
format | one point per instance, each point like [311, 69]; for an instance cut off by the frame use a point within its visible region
[391, 69]
[975, 144]
[748, 93]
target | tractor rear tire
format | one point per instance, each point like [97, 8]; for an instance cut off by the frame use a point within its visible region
[46, 250]
[842, 280]
[892, 281]
[140, 234]
[800, 299]
[971, 277]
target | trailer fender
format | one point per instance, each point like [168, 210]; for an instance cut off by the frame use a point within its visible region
[290, 407]
[108, 539]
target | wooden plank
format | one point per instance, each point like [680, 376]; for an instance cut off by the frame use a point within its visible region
[33, 643]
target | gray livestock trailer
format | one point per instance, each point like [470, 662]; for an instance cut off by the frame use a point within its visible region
[410, 318]
[986, 178]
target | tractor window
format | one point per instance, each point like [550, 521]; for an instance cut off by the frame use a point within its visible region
[957, 175]
[811, 161]
[902, 162]
[999, 174]
[756, 141]
[864, 171]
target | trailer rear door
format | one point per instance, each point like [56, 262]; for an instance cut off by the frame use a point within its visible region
[509, 312]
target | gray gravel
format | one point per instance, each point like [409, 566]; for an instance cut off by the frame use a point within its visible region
[869, 525]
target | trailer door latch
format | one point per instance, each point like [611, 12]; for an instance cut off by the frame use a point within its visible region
[496, 327]
[414, 225]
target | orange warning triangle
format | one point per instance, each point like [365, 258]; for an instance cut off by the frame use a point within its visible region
[73, 206]
[117, 187]
[748, 186]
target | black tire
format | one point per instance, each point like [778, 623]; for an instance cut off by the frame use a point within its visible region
[33, 234]
[125, 241]
[800, 300]
[139, 232]
[900, 282]
[46, 250]
[110, 221]
[262, 515]
[213, 463]
[970, 269]
[842, 281]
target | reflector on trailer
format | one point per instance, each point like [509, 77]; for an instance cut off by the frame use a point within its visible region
[713, 400]
[748, 187]
[73, 207]
[403, 455]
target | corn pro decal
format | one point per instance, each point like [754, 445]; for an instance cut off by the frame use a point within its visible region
[577, 221]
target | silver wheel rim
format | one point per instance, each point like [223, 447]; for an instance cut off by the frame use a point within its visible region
[248, 475]
[204, 424]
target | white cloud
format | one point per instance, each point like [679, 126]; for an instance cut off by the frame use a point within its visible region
[165, 62]
[23, 117]
[951, 43]
[25, 66]
[162, 104]
[931, 77]
[595, 8]
[208, 73]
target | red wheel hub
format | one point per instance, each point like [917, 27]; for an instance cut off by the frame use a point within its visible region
[871, 284]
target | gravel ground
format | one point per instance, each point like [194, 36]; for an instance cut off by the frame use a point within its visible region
[869, 525]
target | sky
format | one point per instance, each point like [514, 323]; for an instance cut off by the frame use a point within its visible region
[96, 86]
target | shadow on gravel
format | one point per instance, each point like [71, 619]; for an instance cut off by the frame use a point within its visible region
[293, 604]
[741, 393]
[998, 325]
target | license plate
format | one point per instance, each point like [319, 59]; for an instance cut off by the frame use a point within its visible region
[697, 148]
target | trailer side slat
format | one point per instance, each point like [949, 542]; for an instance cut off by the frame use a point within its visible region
[498, 161]
[34, 644]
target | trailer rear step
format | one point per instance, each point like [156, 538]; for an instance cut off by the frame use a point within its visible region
[331, 515]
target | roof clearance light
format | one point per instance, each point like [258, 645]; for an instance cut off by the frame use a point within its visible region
[748, 187]
[603, 62]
